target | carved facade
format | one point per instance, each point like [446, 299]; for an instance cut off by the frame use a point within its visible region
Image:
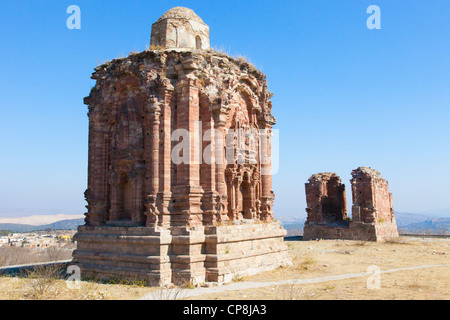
[131, 144]
[179, 194]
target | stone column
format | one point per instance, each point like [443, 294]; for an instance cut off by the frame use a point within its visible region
[152, 154]
[187, 193]
[218, 111]
[267, 197]
[220, 168]
[164, 195]
[211, 201]
[97, 191]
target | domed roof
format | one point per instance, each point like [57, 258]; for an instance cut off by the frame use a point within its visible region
[180, 13]
[180, 28]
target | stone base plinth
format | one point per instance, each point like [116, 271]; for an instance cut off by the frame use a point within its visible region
[246, 249]
[180, 255]
[354, 231]
[124, 253]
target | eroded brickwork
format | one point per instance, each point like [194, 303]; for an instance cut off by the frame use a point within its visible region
[154, 217]
[325, 198]
[136, 106]
[372, 201]
[372, 210]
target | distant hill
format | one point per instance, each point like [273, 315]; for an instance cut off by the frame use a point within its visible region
[434, 226]
[69, 224]
[405, 218]
[292, 224]
[406, 223]
[39, 220]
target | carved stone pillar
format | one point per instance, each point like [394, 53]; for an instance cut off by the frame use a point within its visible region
[266, 176]
[219, 168]
[152, 156]
[96, 209]
[96, 193]
[187, 193]
[164, 195]
[218, 109]
[211, 199]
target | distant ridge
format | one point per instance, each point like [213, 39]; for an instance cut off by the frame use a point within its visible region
[39, 220]
[69, 224]
[406, 223]
[435, 225]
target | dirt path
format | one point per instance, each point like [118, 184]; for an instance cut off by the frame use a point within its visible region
[177, 293]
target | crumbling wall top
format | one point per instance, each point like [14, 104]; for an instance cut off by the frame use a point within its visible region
[324, 176]
[366, 172]
[220, 77]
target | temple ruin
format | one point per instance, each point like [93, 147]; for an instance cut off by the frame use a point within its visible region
[372, 209]
[179, 182]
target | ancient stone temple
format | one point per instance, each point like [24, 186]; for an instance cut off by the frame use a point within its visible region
[179, 180]
[372, 210]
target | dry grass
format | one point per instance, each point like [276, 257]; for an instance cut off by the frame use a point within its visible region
[306, 264]
[311, 259]
[42, 278]
[20, 288]
[156, 47]
[17, 255]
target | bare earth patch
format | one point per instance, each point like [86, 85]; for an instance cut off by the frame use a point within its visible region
[311, 260]
[317, 259]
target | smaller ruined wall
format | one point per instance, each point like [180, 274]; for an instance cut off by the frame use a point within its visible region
[325, 198]
[372, 210]
[372, 201]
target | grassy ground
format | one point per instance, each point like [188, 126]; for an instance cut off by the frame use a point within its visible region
[311, 259]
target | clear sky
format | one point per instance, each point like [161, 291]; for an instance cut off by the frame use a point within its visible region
[344, 96]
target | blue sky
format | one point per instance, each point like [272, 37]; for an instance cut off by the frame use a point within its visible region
[344, 96]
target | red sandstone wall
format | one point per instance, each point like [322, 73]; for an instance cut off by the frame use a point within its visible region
[372, 212]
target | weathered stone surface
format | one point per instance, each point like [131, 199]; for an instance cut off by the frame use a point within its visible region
[325, 197]
[134, 109]
[372, 201]
[180, 28]
[372, 210]
[152, 217]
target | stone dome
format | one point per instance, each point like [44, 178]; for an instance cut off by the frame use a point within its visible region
[180, 13]
[180, 27]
